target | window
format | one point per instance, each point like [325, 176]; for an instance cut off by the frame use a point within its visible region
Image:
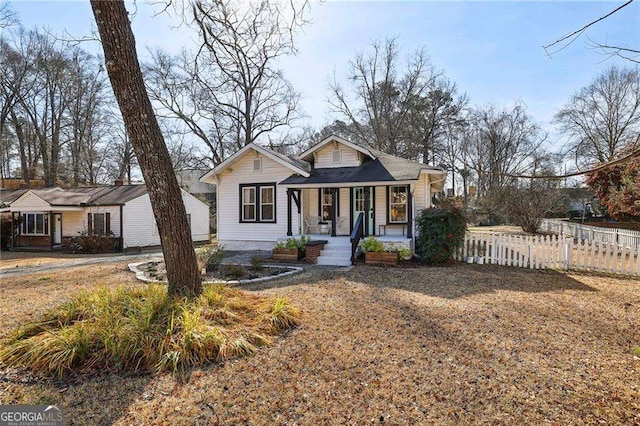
[266, 204]
[249, 204]
[35, 224]
[337, 156]
[99, 223]
[257, 164]
[326, 206]
[258, 202]
[398, 204]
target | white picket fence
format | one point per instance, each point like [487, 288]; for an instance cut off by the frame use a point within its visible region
[621, 237]
[550, 251]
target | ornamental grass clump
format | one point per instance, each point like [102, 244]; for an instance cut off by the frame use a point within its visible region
[440, 233]
[145, 330]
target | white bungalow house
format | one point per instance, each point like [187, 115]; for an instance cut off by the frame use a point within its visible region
[264, 196]
[49, 217]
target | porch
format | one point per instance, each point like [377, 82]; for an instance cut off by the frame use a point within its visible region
[387, 210]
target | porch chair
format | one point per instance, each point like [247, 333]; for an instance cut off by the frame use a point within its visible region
[311, 222]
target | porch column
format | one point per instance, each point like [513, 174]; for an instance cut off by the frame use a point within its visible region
[298, 200]
[13, 231]
[334, 208]
[367, 200]
[289, 196]
[50, 229]
[410, 212]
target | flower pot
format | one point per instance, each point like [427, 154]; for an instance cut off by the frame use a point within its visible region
[381, 258]
[288, 254]
[480, 260]
[470, 259]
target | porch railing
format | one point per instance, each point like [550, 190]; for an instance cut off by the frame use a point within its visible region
[356, 235]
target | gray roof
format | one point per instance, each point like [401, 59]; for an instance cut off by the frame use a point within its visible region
[385, 168]
[294, 161]
[8, 197]
[90, 196]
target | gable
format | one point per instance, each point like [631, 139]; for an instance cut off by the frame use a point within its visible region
[30, 202]
[336, 154]
[255, 151]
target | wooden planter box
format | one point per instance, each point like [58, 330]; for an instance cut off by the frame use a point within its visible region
[382, 258]
[284, 254]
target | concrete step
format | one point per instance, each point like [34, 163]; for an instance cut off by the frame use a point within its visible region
[334, 261]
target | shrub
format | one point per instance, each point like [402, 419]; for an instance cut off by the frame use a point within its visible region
[440, 233]
[292, 243]
[145, 330]
[234, 272]
[85, 243]
[371, 244]
[210, 258]
[257, 263]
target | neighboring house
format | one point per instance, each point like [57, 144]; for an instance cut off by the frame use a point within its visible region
[189, 180]
[264, 196]
[49, 217]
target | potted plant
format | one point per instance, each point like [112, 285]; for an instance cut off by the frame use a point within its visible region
[481, 253]
[290, 249]
[470, 257]
[376, 254]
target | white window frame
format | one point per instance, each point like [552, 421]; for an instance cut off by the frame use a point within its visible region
[272, 203]
[45, 224]
[405, 204]
[254, 204]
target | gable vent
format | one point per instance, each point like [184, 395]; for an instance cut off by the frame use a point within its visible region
[257, 164]
[337, 156]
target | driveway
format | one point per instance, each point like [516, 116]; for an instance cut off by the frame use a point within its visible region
[16, 264]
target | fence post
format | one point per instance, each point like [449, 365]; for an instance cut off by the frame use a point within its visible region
[568, 253]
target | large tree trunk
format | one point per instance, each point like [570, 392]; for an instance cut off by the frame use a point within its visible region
[147, 140]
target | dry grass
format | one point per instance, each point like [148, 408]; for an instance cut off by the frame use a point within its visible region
[467, 344]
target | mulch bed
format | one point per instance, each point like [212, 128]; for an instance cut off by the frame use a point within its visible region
[226, 272]
[465, 344]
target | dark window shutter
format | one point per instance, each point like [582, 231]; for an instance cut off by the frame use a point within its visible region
[107, 221]
[90, 223]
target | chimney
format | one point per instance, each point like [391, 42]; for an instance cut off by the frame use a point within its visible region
[118, 182]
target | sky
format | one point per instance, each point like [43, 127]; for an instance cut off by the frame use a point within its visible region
[492, 50]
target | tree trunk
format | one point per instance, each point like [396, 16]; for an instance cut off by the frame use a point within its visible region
[144, 133]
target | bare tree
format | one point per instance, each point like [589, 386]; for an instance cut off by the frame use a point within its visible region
[385, 92]
[432, 117]
[604, 116]
[8, 16]
[628, 53]
[144, 133]
[230, 92]
[502, 142]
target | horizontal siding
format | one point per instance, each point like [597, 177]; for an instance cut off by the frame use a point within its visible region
[30, 203]
[75, 223]
[140, 229]
[229, 226]
[325, 157]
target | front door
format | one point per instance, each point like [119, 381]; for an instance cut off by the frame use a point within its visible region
[56, 229]
[359, 199]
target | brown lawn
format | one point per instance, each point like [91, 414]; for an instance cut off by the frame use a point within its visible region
[459, 345]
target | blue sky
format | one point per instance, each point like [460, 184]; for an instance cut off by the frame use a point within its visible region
[491, 49]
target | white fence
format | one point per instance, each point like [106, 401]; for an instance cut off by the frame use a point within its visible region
[551, 251]
[621, 237]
